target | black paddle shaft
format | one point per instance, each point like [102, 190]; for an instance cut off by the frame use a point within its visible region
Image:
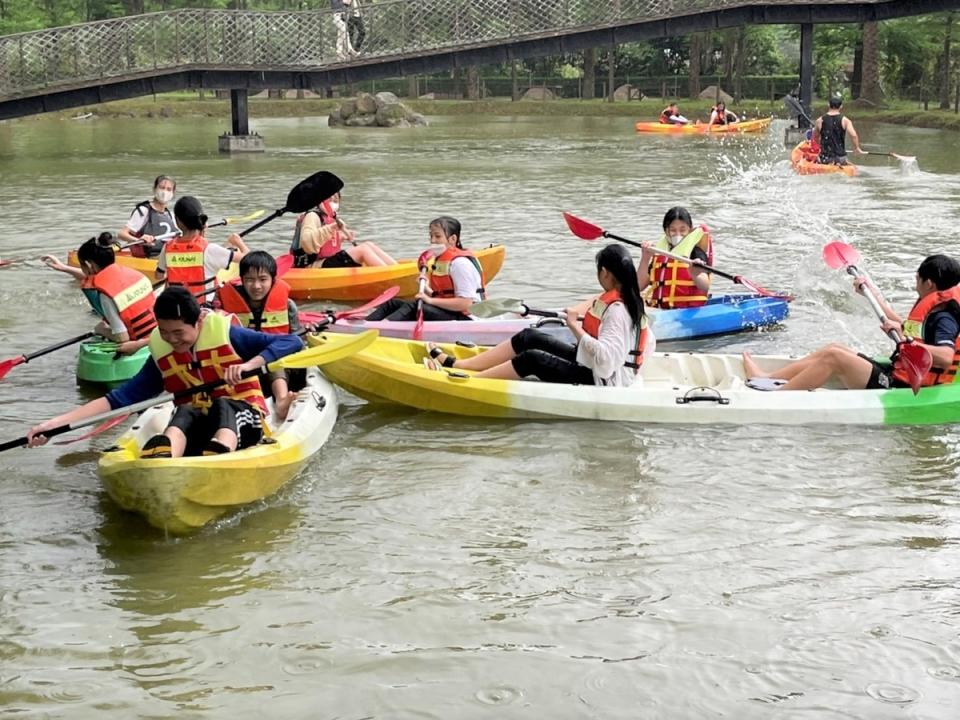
[708, 268]
[61, 429]
[63, 344]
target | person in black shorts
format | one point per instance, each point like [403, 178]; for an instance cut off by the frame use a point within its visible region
[934, 321]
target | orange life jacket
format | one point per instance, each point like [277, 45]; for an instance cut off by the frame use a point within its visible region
[274, 317]
[211, 355]
[665, 116]
[721, 117]
[184, 262]
[913, 328]
[130, 291]
[440, 281]
[671, 284]
[593, 319]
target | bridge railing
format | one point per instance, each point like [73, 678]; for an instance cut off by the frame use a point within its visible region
[144, 44]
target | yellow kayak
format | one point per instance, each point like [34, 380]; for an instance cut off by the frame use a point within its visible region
[698, 128]
[148, 266]
[673, 388]
[365, 283]
[183, 494]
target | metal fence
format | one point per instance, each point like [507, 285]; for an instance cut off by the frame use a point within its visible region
[142, 45]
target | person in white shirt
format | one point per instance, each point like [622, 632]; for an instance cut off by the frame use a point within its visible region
[151, 219]
[454, 282]
[610, 341]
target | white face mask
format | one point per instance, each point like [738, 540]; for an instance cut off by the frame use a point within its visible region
[163, 196]
[334, 207]
[675, 240]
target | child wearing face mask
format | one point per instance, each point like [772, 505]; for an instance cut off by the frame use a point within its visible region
[455, 280]
[150, 219]
[319, 236]
[675, 284]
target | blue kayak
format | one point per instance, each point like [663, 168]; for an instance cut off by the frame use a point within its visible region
[721, 315]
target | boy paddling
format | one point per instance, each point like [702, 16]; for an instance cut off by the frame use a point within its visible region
[187, 350]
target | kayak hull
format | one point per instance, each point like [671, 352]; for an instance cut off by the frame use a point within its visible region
[98, 362]
[182, 495]
[365, 283]
[805, 167]
[721, 315]
[745, 126]
[674, 388]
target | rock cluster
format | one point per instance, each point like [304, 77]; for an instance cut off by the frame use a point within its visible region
[381, 110]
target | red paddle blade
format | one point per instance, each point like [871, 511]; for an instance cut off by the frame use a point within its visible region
[102, 427]
[418, 327]
[8, 365]
[915, 361]
[839, 255]
[760, 290]
[284, 264]
[379, 300]
[424, 259]
[581, 228]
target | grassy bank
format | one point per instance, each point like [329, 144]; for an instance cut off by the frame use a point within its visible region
[188, 105]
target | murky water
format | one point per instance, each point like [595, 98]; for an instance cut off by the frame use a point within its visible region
[430, 566]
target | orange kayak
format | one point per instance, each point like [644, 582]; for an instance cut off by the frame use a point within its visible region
[744, 126]
[807, 167]
[357, 283]
[365, 283]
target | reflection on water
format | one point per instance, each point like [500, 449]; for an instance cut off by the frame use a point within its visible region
[431, 566]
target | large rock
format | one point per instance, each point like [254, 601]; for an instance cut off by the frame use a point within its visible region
[393, 116]
[627, 92]
[386, 98]
[347, 108]
[539, 93]
[366, 103]
[361, 120]
[714, 93]
[387, 111]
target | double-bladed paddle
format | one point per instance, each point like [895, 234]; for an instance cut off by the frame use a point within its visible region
[588, 231]
[359, 312]
[306, 194]
[499, 306]
[308, 358]
[9, 364]
[913, 358]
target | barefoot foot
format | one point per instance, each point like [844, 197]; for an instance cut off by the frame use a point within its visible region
[281, 406]
[750, 368]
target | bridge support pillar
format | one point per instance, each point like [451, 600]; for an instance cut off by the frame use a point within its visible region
[806, 72]
[240, 139]
[793, 135]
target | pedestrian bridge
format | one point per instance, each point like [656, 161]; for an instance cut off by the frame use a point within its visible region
[137, 55]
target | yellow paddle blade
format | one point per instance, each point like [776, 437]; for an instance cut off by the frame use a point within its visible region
[335, 347]
[246, 218]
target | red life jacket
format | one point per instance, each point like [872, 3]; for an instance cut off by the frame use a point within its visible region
[131, 292]
[671, 284]
[720, 118]
[665, 116]
[593, 319]
[184, 263]
[440, 281]
[211, 355]
[913, 327]
[274, 317]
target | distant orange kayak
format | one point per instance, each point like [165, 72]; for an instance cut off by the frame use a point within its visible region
[744, 126]
[807, 167]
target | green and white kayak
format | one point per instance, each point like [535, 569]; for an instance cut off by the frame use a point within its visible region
[98, 362]
[682, 388]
